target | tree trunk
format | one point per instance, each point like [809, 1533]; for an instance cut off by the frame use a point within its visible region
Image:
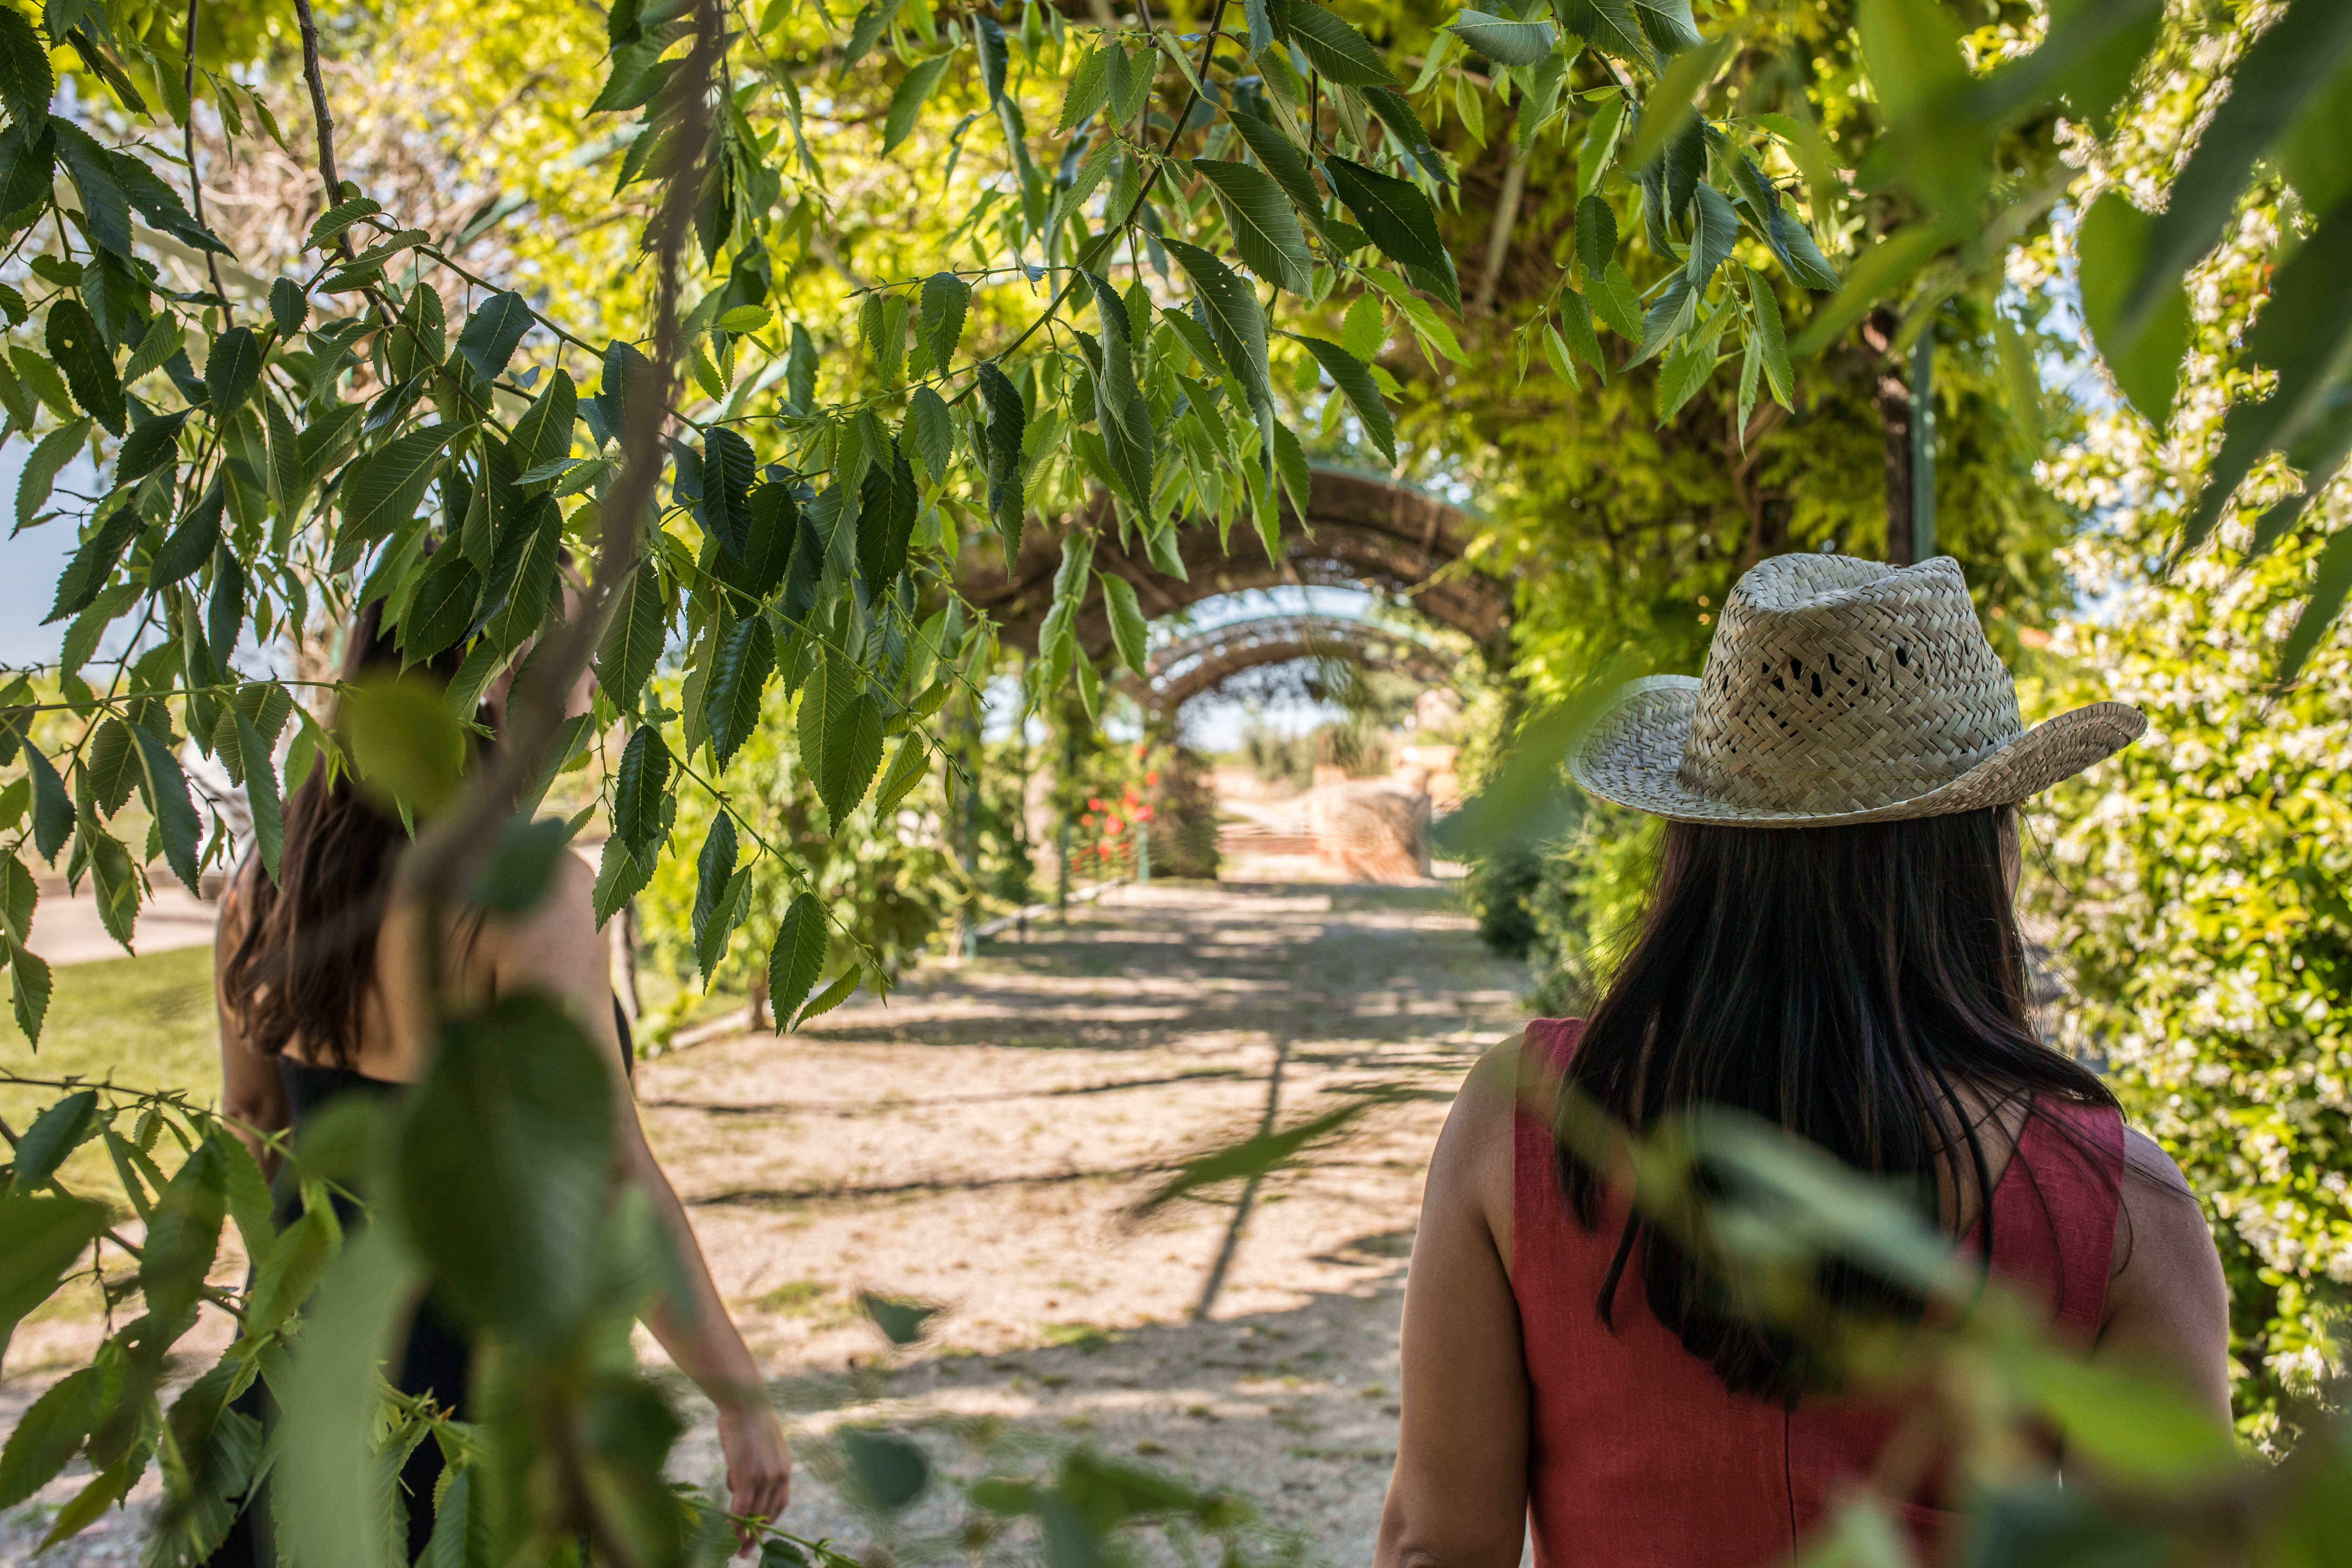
[756, 1017]
[1894, 397]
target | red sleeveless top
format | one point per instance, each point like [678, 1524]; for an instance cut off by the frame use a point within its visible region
[1639, 1458]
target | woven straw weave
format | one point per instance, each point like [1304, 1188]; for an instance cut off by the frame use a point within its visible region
[1839, 691]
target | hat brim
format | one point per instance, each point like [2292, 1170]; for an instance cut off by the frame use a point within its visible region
[1632, 755]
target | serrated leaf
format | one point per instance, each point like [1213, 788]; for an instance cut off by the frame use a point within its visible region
[946, 298]
[797, 958]
[492, 333]
[831, 996]
[1714, 226]
[768, 550]
[1089, 89]
[1772, 338]
[167, 799]
[1128, 633]
[1671, 103]
[988, 37]
[26, 80]
[1264, 228]
[620, 877]
[1400, 220]
[934, 432]
[289, 306]
[1505, 42]
[714, 875]
[384, 489]
[79, 351]
[185, 550]
[48, 460]
[632, 638]
[48, 1435]
[907, 766]
[1354, 379]
[332, 223]
[1576, 330]
[1615, 300]
[907, 100]
[738, 673]
[231, 370]
[1281, 159]
[724, 508]
[442, 607]
[261, 792]
[53, 809]
[149, 447]
[1335, 48]
[640, 785]
[1609, 26]
[1236, 324]
[840, 736]
[1007, 425]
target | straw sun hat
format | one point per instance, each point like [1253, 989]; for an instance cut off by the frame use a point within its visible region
[1838, 690]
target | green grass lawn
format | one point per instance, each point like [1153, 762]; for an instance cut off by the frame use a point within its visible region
[145, 1022]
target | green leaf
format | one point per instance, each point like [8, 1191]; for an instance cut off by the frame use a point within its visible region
[27, 82]
[621, 876]
[507, 1166]
[40, 1239]
[1401, 222]
[149, 447]
[1609, 26]
[946, 298]
[1089, 89]
[1506, 43]
[907, 766]
[738, 673]
[28, 992]
[61, 1129]
[833, 996]
[296, 1261]
[492, 333]
[907, 100]
[1007, 423]
[1354, 379]
[289, 306]
[2145, 360]
[336, 219]
[53, 810]
[639, 786]
[1576, 329]
[442, 607]
[325, 1486]
[1714, 226]
[231, 370]
[1129, 634]
[48, 460]
[174, 813]
[797, 958]
[840, 736]
[1290, 466]
[1337, 50]
[48, 1434]
[768, 550]
[1790, 241]
[106, 206]
[632, 638]
[1264, 228]
[184, 1234]
[715, 883]
[724, 508]
[1283, 160]
[934, 432]
[1774, 340]
[988, 37]
[188, 546]
[383, 489]
[406, 747]
[261, 793]
[80, 351]
[543, 434]
[1236, 325]
[887, 506]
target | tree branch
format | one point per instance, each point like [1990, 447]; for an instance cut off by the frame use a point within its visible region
[188, 147]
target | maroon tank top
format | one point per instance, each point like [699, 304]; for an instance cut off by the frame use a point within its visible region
[1641, 1458]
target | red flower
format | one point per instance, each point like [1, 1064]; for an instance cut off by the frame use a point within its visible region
[1112, 825]
[1143, 814]
[1152, 777]
[1088, 820]
[1094, 806]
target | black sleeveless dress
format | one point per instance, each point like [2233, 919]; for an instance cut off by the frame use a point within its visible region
[437, 1358]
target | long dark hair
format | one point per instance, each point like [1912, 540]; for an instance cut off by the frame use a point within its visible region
[1865, 987]
[305, 963]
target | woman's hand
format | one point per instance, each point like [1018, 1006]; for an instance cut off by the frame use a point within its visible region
[758, 1466]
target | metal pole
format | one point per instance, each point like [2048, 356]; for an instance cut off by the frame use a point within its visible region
[1923, 447]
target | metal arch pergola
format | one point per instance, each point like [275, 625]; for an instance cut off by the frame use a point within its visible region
[1358, 531]
[1205, 659]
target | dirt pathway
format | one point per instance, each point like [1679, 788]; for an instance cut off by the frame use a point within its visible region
[975, 1142]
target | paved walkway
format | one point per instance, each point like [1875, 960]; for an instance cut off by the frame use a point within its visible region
[976, 1143]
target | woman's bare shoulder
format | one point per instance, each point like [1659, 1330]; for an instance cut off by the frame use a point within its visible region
[1471, 1170]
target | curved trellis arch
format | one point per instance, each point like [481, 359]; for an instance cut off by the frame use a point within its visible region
[1359, 532]
[1198, 662]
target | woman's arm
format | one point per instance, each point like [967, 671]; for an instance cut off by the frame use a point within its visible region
[253, 1097]
[2168, 1302]
[557, 950]
[1459, 1497]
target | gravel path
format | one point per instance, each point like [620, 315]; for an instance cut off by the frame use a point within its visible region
[976, 1143]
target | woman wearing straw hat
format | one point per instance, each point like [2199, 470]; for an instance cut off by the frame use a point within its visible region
[1831, 946]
